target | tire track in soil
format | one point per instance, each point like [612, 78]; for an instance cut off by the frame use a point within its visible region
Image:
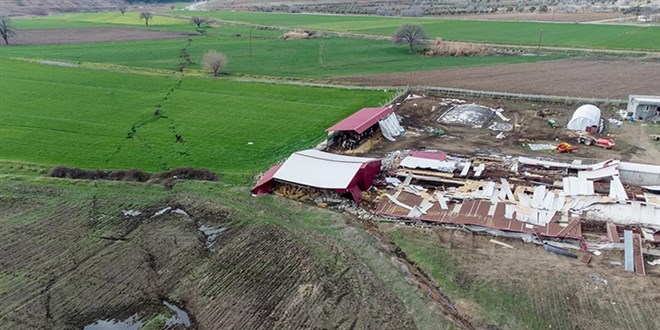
[179, 147]
[424, 281]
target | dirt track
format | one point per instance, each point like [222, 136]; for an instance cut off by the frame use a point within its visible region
[602, 78]
[81, 35]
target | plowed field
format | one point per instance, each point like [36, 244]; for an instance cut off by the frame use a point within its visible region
[578, 78]
[81, 35]
[72, 256]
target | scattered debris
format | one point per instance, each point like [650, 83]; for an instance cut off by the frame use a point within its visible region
[501, 243]
[541, 146]
[655, 262]
[597, 278]
[559, 251]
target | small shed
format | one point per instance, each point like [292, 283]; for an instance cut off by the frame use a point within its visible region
[585, 118]
[644, 107]
[317, 169]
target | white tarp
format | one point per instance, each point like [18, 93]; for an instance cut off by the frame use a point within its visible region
[320, 169]
[585, 116]
[390, 127]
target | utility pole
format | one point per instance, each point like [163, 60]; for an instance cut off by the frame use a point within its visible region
[540, 39]
[250, 42]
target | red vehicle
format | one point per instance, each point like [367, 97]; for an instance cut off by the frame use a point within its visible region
[588, 140]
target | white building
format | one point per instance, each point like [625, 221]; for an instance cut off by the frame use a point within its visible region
[644, 107]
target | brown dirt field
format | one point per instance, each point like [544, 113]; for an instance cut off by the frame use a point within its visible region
[75, 258]
[633, 144]
[82, 35]
[545, 17]
[528, 285]
[601, 78]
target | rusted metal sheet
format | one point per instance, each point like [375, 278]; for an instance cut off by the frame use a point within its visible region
[479, 213]
[638, 258]
[612, 233]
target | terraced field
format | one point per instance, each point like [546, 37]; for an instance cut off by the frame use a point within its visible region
[514, 33]
[100, 119]
[251, 52]
[72, 255]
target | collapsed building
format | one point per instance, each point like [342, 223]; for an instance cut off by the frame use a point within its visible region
[350, 132]
[561, 205]
[322, 170]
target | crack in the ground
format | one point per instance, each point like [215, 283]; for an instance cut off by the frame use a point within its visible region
[179, 140]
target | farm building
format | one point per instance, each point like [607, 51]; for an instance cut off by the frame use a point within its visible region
[322, 170]
[352, 130]
[585, 118]
[644, 107]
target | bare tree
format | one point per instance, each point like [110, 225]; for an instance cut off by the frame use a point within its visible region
[6, 28]
[146, 16]
[410, 34]
[198, 20]
[122, 10]
[214, 61]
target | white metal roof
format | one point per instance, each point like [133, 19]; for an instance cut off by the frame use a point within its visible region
[320, 169]
[645, 99]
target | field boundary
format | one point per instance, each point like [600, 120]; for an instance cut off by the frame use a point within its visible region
[447, 91]
[459, 92]
[347, 34]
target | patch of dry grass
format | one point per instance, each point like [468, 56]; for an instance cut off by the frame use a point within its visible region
[448, 48]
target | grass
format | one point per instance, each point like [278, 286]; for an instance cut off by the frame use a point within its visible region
[599, 36]
[263, 53]
[79, 117]
[501, 304]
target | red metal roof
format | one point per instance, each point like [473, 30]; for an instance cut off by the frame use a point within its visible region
[361, 120]
[429, 155]
[265, 183]
[476, 213]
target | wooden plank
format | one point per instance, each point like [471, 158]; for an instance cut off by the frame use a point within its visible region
[612, 233]
[466, 168]
[427, 172]
[637, 254]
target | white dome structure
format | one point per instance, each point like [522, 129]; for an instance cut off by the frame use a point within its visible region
[585, 116]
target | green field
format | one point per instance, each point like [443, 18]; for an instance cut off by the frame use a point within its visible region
[515, 33]
[250, 51]
[79, 117]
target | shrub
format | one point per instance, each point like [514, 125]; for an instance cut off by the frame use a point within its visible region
[134, 175]
[295, 35]
[444, 48]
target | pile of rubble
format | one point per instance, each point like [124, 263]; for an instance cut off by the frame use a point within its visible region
[537, 200]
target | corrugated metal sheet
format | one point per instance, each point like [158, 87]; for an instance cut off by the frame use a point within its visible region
[479, 213]
[361, 120]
